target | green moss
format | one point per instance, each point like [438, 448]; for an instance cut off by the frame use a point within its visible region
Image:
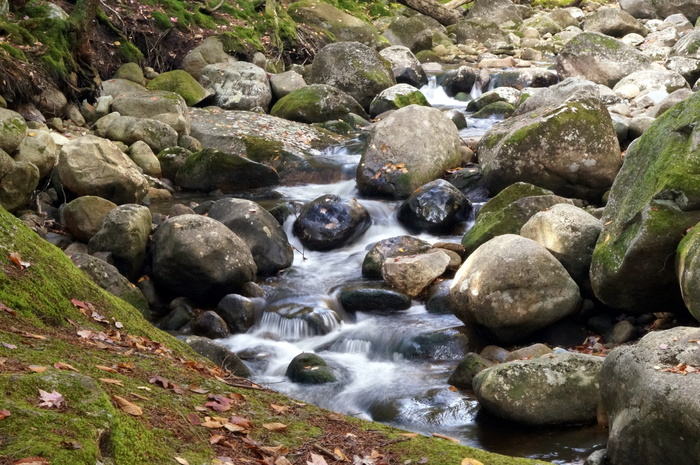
[130, 53]
[162, 20]
[57, 35]
[241, 40]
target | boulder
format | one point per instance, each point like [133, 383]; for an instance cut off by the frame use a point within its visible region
[83, 216]
[171, 160]
[558, 94]
[513, 286]
[91, 165]
[467, 368]
[558, 389]
[341, 25]
[435, 207]
[395, 97]
[120, 86]
[413, 274]
[543, 24]
[462, 79]
[654, 200]
[654, 80]
[526, 78]
[130, 129]
[38, 148]
[181, 83]
[309, 368]
[283, 84]
[653, 9]
[613, 22]
[261, 232]
[18, 179]
[570, 148]
[209, 52]
[353, 68]
[415, 32]
[219, 354]
[237, 85]
[210, 325]
[688, 270]
[108, 278]
[508, 95]
[413, 146]
[404, 65]
[212, 169]
[163, 106]
[316, 103]
[398, 246]
[198, 257]
[363, 298]
[124, 234]
[145, 159]
[649, 391]
[238, 312]
[330, 221]
[13, 129]
[502, 12]
[687, 46]
[599, 58]
[478, 29]
[569, 233]
[500, 110]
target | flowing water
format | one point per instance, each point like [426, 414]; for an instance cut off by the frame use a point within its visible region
[391, 367]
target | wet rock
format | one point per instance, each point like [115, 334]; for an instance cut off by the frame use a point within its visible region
[446, 344]
[308, 368]
[316, 103]
[389, 248]
[552, 390]
[330, 221]
[209, 324]
[199, 257]
[467, 368]
[411, 147]
[435, 207]
[238, 312]
[513, 286]
[413, 274]
[218, 354]
[353, 68]
[439, 301]
[237, 85]
[468, 180]
[495, 110]
[358, 298]
[91, 165]
[459, 80]
[404, 65]
[261, 232]
[124, 234]
[500, 94]
[650, 407]
[457, 117]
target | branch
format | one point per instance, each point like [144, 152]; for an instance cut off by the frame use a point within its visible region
[456, 3]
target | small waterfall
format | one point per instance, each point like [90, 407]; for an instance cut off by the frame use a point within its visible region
[437, 97]
[288, 329]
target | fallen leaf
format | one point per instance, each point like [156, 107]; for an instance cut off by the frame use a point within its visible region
[7, 309]
[118, 325]
[216, 439]
[316, 460]
[128, 407]
[64, 366]
[9, 346]
[447, 438]
[277, 450]
[50, 399]
[182, 461]
[281, 409]
[340, 455]
[107, 369]
[469, 461]
[17, 260]
[194, 419]
[4, 414]
[219, 403]
[37, 368]
[31, 336]
[234, 428]
[112, 381]
[282, 461]
[410, 435]
[453, 388]
[159, 381]
[274, 426]
[144, 388]
[197, 390]
[138, 396]
[32, 461]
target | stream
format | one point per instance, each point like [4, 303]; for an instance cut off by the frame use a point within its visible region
[391, 367]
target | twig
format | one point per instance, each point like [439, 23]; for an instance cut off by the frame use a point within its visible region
[325, 451]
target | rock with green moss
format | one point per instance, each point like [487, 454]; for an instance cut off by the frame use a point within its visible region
[599, 58]
[478, 29]
[91, 165]
[688, 270]
[405, 65]
[316, 103]
[18, 179]
[688, 46]
[655, 199]
[115, 87]
[182, 83]
[83, 216]
[341, 25]
[413, 146]
[613, 22]
[209, 52]
[544, 24]
[556, 94]
[131, 72]
[415, 32]
[395, 97]
[557, 389]
[212, 169]
[309, 368]
[495, 110]
[502, 12]
[167, 107]
[467, 368]
[40, 149]
[13, 129]
[171, 160]
[219, 354]
[237, 85]
[353, 68]
[570, 148]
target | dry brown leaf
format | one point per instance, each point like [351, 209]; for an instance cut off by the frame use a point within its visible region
[17, 260]
[197, 390]
[216, 439]
[112, 381]
[447, 438]
[274, 426]
[278, 450]
[7, 309]
[138, 396]
[282, 461]
[32, 461]
[182, 461]
[51, 399]
[340, 455]
[31, 336]
[4, 414]
[107, 369]
[281, 409]
[64, 366]
[194, 419]
[409, 435]
[37, 368]
[128, 407]
[469, 461]
[316, 460]
[234, 428]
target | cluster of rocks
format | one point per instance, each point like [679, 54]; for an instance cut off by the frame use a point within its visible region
[540, 260]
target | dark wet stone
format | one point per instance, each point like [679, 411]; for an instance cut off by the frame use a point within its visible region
[387, 248]
[330, 222]
[467, 368]
[359, 298]
[435, 207]
[309, 369]
[211, 325]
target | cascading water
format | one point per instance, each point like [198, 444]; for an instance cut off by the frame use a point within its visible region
[391, 367]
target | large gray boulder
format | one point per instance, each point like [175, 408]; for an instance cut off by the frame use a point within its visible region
[649, 391]
[415, 32]
[556, 389]
[124, 234]
[557, 94]
[570, 148]
[18, 179]
[478, 29]
[353, 68]
[316, 103]
[413, 146]
[38, 148]
[198, 257]
[688, 271]
[237, 85]
[613, 22]
[654, 200]
[209, 52]
[687, 46]
[404, 65]
[569, 233]
[654, 80]
[652, 9]
[599, 58]
[91, 165]
[167, 107]
[513, 286]
[260, 230]
[502, 12]
[130, 129]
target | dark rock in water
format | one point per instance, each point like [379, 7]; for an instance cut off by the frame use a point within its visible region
[468, 180]
[261, 232]
[330, 222]
[393, 247]
[251, 289]
[181, 311]
[467, 368]
[309, 369]
[218, 354]
[459, 80]
[439, 301]
[435, 207]
[238, 312]
[563, 333]
[364, 298]
[156, 301]
[447, 344]
[171, 160]
[180, 209]
[457, 117]
[211, 325]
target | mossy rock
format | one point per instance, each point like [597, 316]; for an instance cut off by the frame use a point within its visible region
[131, 72]
[395, 97]
[687, 270]
[308, 368]
[180, 82]
[428, 56]
[316, 103]
[13, 130]
[495, 110]
[510, 194]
